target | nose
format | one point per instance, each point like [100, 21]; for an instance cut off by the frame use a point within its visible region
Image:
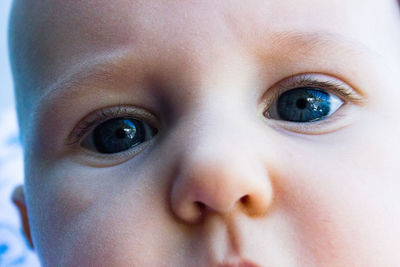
[217, 176]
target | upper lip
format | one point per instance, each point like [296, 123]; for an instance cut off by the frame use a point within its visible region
[238, 263]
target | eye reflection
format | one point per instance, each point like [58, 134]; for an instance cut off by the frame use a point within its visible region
[118, 134]
[306, 104]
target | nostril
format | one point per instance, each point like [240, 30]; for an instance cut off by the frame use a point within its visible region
[200, 205]
[245, 199]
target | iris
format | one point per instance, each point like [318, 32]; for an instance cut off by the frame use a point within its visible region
[305, 104]
[118, 134]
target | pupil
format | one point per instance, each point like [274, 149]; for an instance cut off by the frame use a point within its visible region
[120, 133]
[301, 103]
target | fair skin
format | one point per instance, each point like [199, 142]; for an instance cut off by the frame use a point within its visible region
[220, 181]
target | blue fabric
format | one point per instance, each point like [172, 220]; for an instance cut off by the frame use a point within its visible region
[13, 247]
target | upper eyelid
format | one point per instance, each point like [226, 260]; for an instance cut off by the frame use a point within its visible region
[327, 82]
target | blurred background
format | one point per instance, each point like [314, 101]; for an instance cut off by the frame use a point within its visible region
[13, 248]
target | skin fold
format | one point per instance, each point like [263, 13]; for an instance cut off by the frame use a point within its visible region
[221, 183]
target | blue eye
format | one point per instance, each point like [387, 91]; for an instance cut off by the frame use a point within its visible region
[118, 134]
[306, 104]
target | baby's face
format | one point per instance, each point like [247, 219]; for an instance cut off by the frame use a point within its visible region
[208, 133]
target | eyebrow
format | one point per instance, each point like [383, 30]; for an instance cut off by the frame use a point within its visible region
[100, 70]
[348, 52]
[103, 69]
[329, 40]
[106, 69]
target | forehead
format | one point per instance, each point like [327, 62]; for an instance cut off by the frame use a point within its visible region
[69, 30]
[61, 35]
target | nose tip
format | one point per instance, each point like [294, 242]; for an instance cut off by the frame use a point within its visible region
[222, 188]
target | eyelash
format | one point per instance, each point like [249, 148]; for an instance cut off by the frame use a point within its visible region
[103, 115]
[307, 80]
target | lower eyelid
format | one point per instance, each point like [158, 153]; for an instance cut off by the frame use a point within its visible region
[338, 120]
[98, 160]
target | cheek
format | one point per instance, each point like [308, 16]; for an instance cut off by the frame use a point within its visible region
[342, 200]
[117, 232]
[340, 222]
[97, 216]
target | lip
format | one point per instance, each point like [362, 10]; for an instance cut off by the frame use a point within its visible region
[240, 263]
